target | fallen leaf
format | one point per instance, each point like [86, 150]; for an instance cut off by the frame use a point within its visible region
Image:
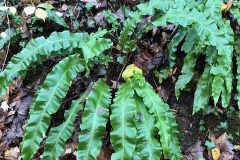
[12, 10]
[237, 147]
[194, 152]
[225, 147]
[216, 153]
[3, 35]
[13, 153]
[40, 13]
[29, 10]
[130, 70]
[0, 135]
[4, 8]
[4, 106]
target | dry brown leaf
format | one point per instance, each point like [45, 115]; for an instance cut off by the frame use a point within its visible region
[194, 152]
[225, 147]
[0, 135]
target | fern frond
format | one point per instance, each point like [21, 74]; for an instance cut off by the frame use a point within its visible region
[165, 121]
[212, 9]
[94, 120]
[47, 102]
[187, 73]
[203, 91]
[112, 19]
[148, 147]
[206, 29]
[130, 24]
[56, 141]
[237, 50]
[123, 135]
[39, 49]
[176, 40]
[235, 10]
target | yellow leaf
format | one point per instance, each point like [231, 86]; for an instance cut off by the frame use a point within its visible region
[216, 153]
[40, 13]
[29, 10]
[237, 147]
[224, 6]
[130, 71]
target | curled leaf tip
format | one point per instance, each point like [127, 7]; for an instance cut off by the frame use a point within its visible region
[130, 71]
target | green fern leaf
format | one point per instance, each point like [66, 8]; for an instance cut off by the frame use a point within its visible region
[148, 147]
[56, 141]
[40, 48]
[213, 9]
[94, 120]
[237, 50]
[130, 24]
[165, 121]
[123, 135]
[47, 102]
[203, 91]
[187, 73]
[174, 44]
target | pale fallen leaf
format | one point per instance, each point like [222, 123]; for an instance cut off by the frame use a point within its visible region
[13, 153]
[29, 10]
[4, 8]
[40, 13]
[3, 34]
[13, 10]
[4, 106]
[237, 147]
[216, 153]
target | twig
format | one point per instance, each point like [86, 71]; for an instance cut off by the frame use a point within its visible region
[9, 38]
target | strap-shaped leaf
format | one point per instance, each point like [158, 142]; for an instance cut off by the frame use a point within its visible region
[47, 102]
[165, 121]
[40, 48]
[94, 120]
[56, 141]
[123, 135]
[176, 40]
[203, 91]
[212, 9]
[187, 73]
[148, 147]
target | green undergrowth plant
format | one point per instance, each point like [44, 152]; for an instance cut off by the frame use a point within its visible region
[202, 31]
[132, 135]
[137, 115]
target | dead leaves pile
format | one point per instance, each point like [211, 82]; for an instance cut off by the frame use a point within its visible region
[223, 148]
